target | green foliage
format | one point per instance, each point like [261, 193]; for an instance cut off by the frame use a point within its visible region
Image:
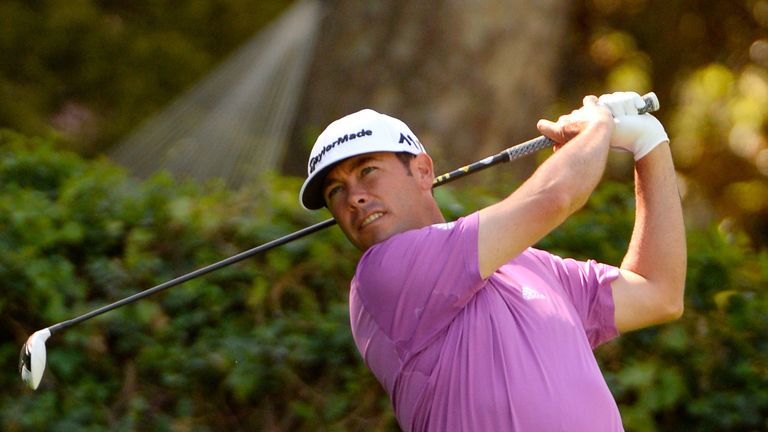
[262, 344]
[265, 344]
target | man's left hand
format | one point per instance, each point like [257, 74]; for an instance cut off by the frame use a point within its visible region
[633, 132]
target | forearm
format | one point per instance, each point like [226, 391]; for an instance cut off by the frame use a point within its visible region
[657, 250]
[576, 168]
[558, 188]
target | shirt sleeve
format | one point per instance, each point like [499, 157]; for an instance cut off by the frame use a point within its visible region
[588, 286]
[416, 282]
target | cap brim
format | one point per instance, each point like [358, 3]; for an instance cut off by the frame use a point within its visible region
[311, 191]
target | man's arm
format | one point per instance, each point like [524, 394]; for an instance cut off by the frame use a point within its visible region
[650, 288]
[559, 187]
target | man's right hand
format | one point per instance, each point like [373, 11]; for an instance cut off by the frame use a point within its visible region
[569, 126]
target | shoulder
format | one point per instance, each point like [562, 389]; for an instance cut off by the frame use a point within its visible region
[537, 259]
[419, 251]
[584, 281]
[418, 279]
[417, 242]
[563, 266]
[553, 262]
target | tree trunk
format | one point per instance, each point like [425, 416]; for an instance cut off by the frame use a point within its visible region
[469, 77]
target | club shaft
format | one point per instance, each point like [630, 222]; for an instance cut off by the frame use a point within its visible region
[197, 273]
[508, 155]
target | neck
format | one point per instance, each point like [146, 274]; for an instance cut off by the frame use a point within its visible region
[432, 214]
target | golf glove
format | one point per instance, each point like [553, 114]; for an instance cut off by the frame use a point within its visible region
[622, 103]
[633, 132]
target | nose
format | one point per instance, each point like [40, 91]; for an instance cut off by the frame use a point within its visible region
[358, 196]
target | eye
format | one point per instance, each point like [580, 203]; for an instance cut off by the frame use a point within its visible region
[367, 170]
[331, 191]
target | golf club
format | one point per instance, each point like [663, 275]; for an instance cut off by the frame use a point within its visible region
[32, 360]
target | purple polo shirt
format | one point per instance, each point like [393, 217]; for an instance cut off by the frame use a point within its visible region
[456, 352]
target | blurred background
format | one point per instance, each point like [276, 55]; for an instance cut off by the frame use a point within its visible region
[140, 140]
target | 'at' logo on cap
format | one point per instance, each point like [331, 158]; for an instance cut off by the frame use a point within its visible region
[411, 141]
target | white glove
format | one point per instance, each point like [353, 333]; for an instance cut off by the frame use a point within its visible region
[638, 134]
[622, 103]
[635, 133]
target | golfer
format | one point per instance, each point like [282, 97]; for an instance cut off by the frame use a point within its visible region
[467, 326]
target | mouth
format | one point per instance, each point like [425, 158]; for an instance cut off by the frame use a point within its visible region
[371, 218]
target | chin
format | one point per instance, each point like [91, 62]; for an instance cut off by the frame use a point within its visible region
[364, 244]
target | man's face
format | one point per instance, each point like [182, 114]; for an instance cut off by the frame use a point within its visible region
[374, 196]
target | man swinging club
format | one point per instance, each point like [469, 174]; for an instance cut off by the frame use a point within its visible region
[464, 324]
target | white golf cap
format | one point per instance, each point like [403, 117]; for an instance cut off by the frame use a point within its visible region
[365, 131]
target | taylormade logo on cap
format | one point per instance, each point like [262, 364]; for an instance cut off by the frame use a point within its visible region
[363, 132]
[341, 140]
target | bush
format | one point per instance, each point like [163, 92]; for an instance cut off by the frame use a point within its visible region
[265, 344]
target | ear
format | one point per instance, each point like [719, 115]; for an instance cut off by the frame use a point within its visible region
[423, 169]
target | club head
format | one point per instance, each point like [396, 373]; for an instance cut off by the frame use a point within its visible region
[32, 359]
